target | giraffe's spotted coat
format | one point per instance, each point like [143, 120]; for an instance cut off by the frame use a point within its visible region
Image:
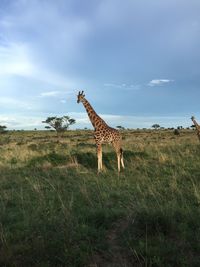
[197, 126]
[102, 133]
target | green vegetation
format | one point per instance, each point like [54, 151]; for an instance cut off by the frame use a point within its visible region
[56, 211]
[60, 124]
[2, 128]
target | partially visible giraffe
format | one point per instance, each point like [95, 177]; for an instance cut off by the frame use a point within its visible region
[102, 133]
[197, 126]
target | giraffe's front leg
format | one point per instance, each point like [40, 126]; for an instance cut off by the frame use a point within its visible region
[198, 134]
[99, 156]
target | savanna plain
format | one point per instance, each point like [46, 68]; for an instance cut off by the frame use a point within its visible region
[55, 210]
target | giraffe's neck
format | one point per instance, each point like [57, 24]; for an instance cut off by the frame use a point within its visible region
[94, 118]
[195, 123]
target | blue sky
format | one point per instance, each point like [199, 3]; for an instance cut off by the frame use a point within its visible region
[138, 61]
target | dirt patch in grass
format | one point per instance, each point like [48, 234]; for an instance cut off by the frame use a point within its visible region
[116, 255]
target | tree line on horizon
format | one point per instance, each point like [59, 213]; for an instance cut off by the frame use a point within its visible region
[61, 124]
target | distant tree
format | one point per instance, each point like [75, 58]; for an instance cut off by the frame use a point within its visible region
[60, 124]
[35, 129]
[180, 127]
[155, 126]
[47, 127]
[120, 127]
[176, 131]
[2, 128]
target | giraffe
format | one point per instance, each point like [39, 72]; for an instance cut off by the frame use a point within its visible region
[102, 133]
[197, 126]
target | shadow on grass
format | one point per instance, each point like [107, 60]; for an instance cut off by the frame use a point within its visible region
[53, 158]
[176, 228]
[89, 159]
[83, 145]
[86, 159]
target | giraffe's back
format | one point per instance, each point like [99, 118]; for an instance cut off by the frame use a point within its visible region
[107, 135]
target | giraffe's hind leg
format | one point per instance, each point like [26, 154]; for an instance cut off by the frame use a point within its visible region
[118, 161]
[119, 152]
[99, 156]
[122, 158]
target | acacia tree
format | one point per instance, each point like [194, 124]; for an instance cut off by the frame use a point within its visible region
[120, 127]
[47, 127]
[2, 128]
[60, 124]
[155, 126]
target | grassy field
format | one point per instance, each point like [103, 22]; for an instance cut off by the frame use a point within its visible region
[56, 211]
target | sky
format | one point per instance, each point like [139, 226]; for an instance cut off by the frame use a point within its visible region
[138, 61]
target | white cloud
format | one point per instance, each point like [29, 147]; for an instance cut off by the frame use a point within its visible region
[82, 121]
[15, 103]
[124, 86]
[126, 121]
[50, 94]
[158, 82]
[16, 59]
[55, 33]
[21, 122]
[40, 46]
[51, 78]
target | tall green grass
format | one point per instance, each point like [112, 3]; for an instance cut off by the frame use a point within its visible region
[56, 211]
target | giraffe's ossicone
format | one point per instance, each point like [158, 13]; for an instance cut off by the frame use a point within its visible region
[102, 133]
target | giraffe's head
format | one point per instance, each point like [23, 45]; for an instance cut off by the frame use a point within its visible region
[192, 118]
[80, 96]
